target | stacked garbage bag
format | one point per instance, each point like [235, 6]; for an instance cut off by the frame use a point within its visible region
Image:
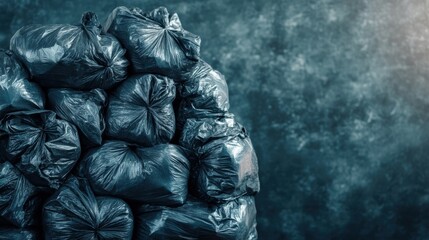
[120, 131]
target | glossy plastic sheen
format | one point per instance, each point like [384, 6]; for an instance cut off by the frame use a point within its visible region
[20, 201]
[204, 94]
[16, 91]
[42, 147]
[7, 233]
[73, 212]
[82, 108]
[73, 56]
[140, 110]
[155, 41]
[157, 175]
[235, 220]
[225, 165]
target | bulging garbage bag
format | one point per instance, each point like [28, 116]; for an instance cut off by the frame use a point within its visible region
[73, 56]
[82, 108]
[16, 91]
[3, 143]
[225, 165]
[42, 147]
[156, 175]
[140, 110]
[155, 41]
[8, 233]
[235, 220]
[204, 94]
[73, 212]
[20, 201]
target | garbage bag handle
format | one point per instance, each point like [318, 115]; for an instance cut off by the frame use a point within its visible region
[93, 28]
[90, 22]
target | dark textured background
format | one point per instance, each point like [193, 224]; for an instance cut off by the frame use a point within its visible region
[333, 93]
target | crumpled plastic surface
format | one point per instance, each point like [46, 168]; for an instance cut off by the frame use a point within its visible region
[42, 147]
[82, 108]
[204, 94]
[73, 212]
[73, 56]
[7, 233]
[16, 91]
[155, 41]
[235, 220]
[20, 201]
[140, 110]
[225, 165]
[156, 175]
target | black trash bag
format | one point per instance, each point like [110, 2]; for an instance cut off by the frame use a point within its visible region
[204, 94]
[82, 108]
[20, 201]
[7, 233]
[235, 220]
[140, 110]
[71, 56]
[3, 143]
[157, 175]
[43, 148]
[155, 41]
[225, 165]
[73, 212]
[16, 92]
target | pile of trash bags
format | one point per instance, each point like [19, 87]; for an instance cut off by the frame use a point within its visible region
[119, 130]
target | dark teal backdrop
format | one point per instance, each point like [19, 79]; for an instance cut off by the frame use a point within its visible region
[334, 95]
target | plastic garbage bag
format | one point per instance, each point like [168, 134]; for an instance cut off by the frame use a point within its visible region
[225, 165]
[20, 201]
[140, 110]
[156, 175]
[74, 56]
[3, 143]
[82, 108]
[204, 94]
[16, 92]
[155, 41]
[235, 220]
[42, 147]
[7, 233]
[73, 212]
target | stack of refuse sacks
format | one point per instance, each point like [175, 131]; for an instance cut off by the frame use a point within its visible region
[120, 131]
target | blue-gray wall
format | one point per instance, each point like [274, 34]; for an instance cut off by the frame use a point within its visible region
[333, 93]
